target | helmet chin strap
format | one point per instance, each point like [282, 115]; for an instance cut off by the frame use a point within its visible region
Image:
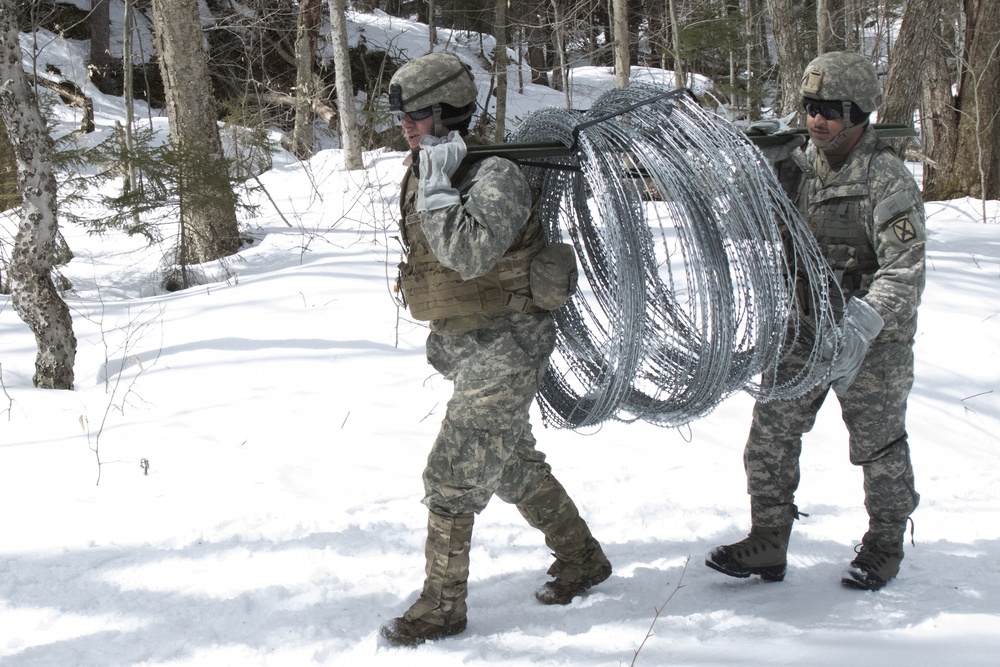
[440, 129]
[842, 137]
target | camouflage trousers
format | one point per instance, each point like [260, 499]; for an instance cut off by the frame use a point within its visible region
[873, 409]
[485, 446]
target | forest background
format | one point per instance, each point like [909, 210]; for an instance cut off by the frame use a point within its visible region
[259, 504]
[244, 68]
[274, 61]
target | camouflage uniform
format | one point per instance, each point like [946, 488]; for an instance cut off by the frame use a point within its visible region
[471, 243]
[496, 362]
[867, 212]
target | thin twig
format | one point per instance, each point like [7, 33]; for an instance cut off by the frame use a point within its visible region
[273, 203]
[429, 413]
[10, 401]
[132, 333]
[659, 610]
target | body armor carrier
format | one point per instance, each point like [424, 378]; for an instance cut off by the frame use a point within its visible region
[836, 215]
[434, 292]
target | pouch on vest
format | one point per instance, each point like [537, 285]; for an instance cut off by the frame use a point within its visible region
[553, 276]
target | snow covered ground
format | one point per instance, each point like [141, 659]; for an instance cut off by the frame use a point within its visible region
[235, 479]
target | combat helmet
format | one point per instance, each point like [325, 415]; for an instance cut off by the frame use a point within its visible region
[844, 76]
[440, 82]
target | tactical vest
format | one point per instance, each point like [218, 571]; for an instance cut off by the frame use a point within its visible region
[434, 292]
[836, 214]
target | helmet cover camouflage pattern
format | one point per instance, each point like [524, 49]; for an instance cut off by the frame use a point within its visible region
[433, 78]
[840, 75]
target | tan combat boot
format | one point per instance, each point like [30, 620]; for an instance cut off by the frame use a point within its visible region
[762, 552]
[580, 562]
[877, 562]
[440, 611]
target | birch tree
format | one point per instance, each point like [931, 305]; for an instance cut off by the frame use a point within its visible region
[350, 137]
[675, 41]
[500, 61]
[9, 195]
[33, 294]
[622, 61]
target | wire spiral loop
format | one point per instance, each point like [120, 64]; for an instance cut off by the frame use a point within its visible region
[690, 253]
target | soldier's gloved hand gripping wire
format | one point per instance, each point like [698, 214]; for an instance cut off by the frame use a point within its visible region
[439, 159]
[860, 326]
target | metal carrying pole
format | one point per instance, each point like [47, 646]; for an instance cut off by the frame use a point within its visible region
[533, 150]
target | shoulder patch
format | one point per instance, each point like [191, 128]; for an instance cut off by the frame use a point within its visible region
[903, 229]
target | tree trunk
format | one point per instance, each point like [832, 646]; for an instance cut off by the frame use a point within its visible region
[207, 206]
[791, 52]
[758, 58]
[853, 25]
[968, 166]
[976, 170]
[538, 37]
[102, 63]
[10, 196]
[303, 143]
[500, 62]
[906, 66]
[938, 117]
[559, 71]
[519, 48]
[600, 26]
[824, 31]
[831, 26]
[128, 32]
[675, 38]
[622, 62]
[350, 137]
[33, 294]
[432, 34]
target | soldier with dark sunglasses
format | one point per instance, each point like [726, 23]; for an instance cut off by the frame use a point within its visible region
[867, 214]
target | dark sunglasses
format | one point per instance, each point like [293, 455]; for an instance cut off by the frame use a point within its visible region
[416, 114]
[831, 110]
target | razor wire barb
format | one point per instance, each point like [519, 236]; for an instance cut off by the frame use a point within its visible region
[690, 254]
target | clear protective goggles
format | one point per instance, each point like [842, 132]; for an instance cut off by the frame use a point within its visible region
[415, 115]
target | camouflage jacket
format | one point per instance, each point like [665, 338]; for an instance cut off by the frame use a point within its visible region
[869, 217]
[473, 242]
